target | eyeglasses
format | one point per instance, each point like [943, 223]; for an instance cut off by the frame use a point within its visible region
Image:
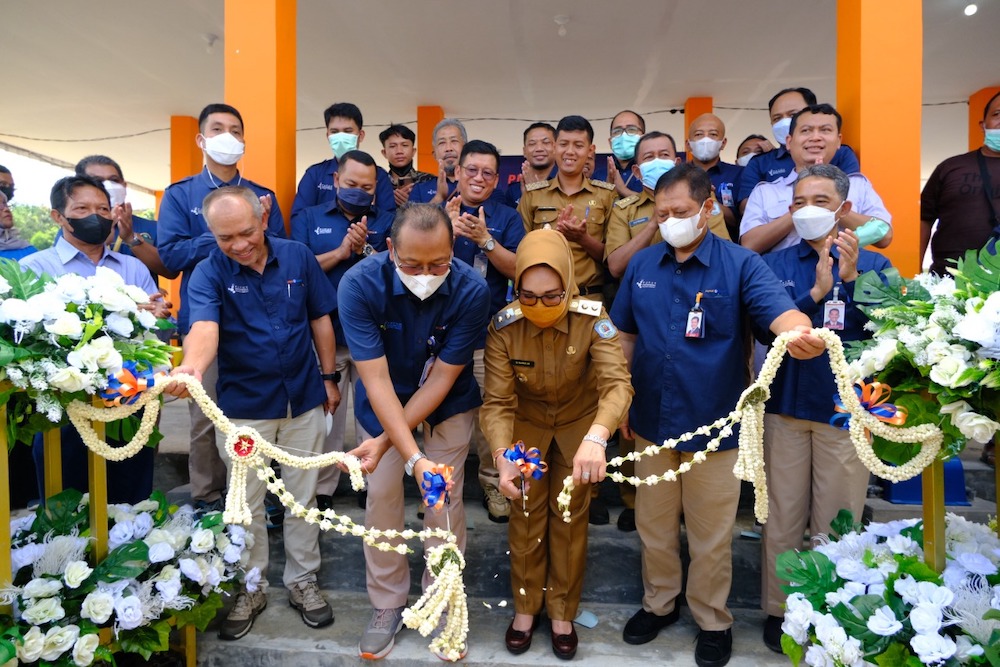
[529, 299]
[487, 174]
[432, 269]
[631, 130]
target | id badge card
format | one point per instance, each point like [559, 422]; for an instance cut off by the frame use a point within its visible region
[833, 315]
[695, 327]
[424, 374]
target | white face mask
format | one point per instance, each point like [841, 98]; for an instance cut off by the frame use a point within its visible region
[705, 149]
[422, 286]
[116, 191]
[744, 160]
[814, 222]
[781, 129]
[681, 232]
[224, 149]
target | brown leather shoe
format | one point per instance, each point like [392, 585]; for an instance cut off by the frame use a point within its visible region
[518, 641]
[564, 646]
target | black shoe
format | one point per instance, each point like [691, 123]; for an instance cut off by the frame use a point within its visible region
[203, 507]
[324, 502]
[626, 520]
[773, 632]
[598, 513]
[644, 626]
[714, 648]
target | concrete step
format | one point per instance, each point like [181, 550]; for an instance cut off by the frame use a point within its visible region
[280, 638]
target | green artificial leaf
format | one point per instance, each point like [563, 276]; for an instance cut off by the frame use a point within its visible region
[843, 524]
[10, 352]
[810, 573]
[992, 615]
[162, 513]
[978, 271]
[792, 649]
[896, 453]
[854, 620]
[201, 614]
[146, 640]
[24, 282]
[895, 655]
[61, 514]
[211, 520]
[126, 562]
[7, 651]
[915, 533]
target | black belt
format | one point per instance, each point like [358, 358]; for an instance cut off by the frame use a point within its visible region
[593, 289]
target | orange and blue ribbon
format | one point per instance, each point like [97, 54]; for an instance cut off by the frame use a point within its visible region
[874, 399]
[435, 486]
[528, 461]
[125, 386]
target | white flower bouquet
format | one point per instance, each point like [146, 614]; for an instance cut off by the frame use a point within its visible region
[163, 562]
[61, 339]
[869, 598]
[936, 343]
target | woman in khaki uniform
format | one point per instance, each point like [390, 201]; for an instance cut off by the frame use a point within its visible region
[556, 379]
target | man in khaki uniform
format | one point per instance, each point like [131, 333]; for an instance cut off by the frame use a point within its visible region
[573, 204]
[628, 231]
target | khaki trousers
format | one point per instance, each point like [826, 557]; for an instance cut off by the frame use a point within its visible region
[813, 472]
[388, 573]
[302, 436]
[548, 557]
[488, 475]
[206, 468]
[329, 476]
[707, 496]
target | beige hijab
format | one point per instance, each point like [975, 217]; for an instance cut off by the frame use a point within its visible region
[550, 248]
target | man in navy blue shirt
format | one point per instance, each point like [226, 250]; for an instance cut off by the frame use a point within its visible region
[777, 163]
[693, 274]
[705, 141]
[262, 305]
[344, 132]
[539, 160]
[341, 233]
[487, 233]
[185, 240]
[412, 317]
[449, 138]
[627, 127]
[813, 468]
[133, 235]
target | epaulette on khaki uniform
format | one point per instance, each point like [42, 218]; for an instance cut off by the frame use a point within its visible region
[627, 201]
[537, 185]
[506, 316]
[602, 184]
[585, 307]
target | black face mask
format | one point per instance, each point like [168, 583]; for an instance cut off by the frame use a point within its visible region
[7, 190]
[93, 229]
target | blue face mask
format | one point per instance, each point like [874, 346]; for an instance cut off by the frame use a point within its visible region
[354, 201]
[652, 170]
[623, 146]
[341, 142]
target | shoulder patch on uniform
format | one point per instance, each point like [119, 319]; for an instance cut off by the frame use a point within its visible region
[602, 184]
[506, 316]
[537, 185]
[586, 307]
[604, 328]
[627, 201]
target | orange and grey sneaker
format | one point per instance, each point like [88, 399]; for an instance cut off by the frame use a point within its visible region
[380, 635]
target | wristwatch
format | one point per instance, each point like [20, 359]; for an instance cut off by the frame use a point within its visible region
[368, 250]
[490, 244]
[412, 462]
[137, 240]
[333, 377]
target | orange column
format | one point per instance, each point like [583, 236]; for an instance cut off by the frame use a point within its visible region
[977, 104]
[185, 159]
[427, 118]
[879, 69]
[260, 76]
[694, 107]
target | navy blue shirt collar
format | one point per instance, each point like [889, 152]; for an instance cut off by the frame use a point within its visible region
[399, 289]
[703, 253]
[212, 182]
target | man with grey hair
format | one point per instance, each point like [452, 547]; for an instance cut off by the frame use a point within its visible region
[262, 305]
[813, 469]
[449, 138]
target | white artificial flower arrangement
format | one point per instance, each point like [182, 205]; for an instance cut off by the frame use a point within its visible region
[164, 562]
[62, 339]
[869, 598]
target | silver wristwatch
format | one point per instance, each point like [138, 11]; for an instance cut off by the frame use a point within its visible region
[490, 244]
[412, 462]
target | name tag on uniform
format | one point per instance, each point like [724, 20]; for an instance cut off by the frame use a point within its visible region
[522, 362]
[639, 221]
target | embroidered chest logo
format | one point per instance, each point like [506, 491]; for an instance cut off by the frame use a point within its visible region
[323, 230]
[196, 210]
[324, 186]
[238, 289]
[645, 284]
[788, 283]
